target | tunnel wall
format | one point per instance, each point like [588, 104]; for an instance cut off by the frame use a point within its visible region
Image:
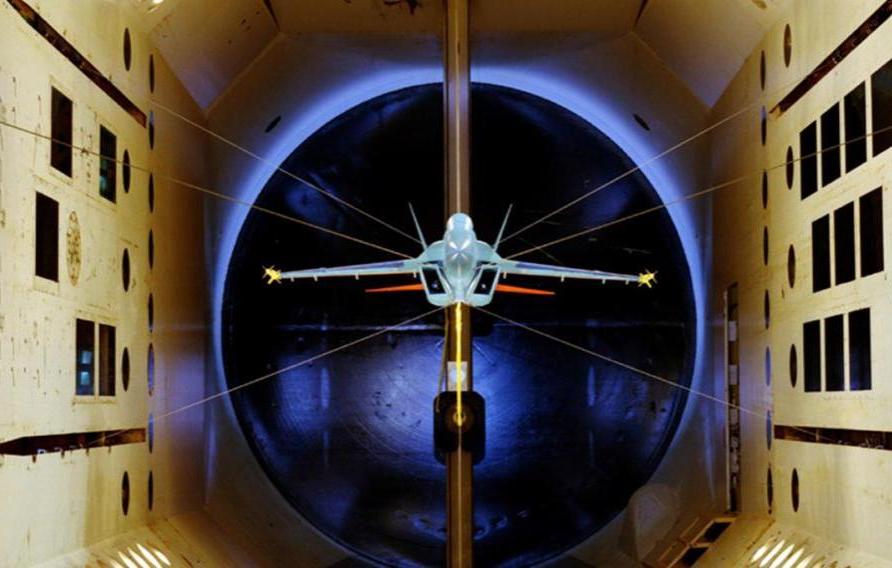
[842, 491]
[316, 78]
[56, 502]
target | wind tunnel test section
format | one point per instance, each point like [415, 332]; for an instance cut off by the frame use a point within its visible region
[348, 440]
[401, 283]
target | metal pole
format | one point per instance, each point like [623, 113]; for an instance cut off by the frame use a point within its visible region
[457, 106]
[459, 462]
[457, 138]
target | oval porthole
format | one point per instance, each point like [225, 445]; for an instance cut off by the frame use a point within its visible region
[794, 365]
[763, 125]
[641, 122]
[790, 169]
[272, 124]
[125, 171]
[125, 270]
[770, 490]
[151, 73]
[791, 266]
[125, 493]
[151, 193]
[150, 370]
[765, 246]
[768, 431]
[788, 45]
[794, 490]
[764, 189]
[768, 366]
[125, 368]
[151, 313]
[128, 52]
[151, 129]
[762, 70]
[151, 249]
[150, 497]
[767, 308]
[151, 432]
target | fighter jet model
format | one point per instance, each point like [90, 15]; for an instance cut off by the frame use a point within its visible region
[460, 269]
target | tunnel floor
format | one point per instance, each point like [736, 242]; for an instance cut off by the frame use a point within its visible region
[348, 439]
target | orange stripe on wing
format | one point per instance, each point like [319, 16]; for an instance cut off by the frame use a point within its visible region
[521, 290]
[404, 288]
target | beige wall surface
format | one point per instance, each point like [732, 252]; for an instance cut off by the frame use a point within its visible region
[59, 502]
[843, 498]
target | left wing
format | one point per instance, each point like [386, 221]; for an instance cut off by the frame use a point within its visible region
[411, 266]
[549, 271]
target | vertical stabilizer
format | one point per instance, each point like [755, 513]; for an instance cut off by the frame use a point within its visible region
[495, 245]
[417, 227]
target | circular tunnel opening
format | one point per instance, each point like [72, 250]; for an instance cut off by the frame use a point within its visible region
[348, 438]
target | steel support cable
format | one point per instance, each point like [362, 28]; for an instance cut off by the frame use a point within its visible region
[282, 170]
[647, 374]
[692, 196]
[206, 191]
[652, 159]
[285, 369]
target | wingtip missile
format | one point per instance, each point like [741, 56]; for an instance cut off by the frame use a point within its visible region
[272, 275]
[647, 278]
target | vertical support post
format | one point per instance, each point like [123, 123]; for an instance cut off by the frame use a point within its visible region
[457, 106]
[457, 144]
[459, 463]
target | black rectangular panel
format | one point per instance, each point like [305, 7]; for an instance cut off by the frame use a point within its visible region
[46, 237]
[108, 166]
[860, 375]
[106, 360]
[870, 213]
[60, 129]
[844, 243]
[830, 140]
[808, 163]
[856, 127]
[834, 371]
[881, 104]
[85, 341]
[820, 253]
[811, 341]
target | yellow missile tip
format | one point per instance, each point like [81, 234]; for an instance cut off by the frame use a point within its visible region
[272, 275]
[647, 278]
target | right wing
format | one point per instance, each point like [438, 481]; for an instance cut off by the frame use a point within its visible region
[411, 266]
[549, 271]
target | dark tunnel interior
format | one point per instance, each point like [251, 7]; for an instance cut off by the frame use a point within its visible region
[348, 439]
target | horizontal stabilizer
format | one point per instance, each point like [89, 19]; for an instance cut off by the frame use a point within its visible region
[521, 290]
[404, 288]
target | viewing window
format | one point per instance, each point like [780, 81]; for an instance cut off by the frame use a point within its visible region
[844, 243]
[820, 253]
[856, 127]
[830, 155]
[85, 344]
[870, 212]
[833, 354]
[811, 332]
[859, 350]
[881, 104]
[90, 355]
[61, 128]
[46, 237]
[108, 150]
[808, 164]
[106, 360]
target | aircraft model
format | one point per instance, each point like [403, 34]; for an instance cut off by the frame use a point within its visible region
[460, 269]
